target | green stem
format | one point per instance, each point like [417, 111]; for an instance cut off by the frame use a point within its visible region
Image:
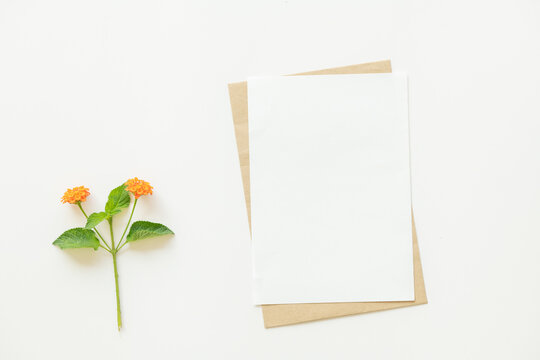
[121, 246]
[113, 252]
[101, 237]
[118, 312]
[101, 246]
[127, 226]
[80, 207]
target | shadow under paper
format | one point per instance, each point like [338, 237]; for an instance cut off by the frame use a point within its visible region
[149, 244]
[85, 256]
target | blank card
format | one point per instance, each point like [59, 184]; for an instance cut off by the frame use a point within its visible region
[330, 187]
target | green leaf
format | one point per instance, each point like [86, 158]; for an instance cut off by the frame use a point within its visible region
[146, 229]
[118, 199]
[94, 219]
[77, 238]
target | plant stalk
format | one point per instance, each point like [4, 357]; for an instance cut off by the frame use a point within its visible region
[118, 312]
[101, 237]
[113, 253]
[120, 245]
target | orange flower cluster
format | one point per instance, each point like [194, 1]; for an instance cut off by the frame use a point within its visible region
[138, 187]
[75, 195]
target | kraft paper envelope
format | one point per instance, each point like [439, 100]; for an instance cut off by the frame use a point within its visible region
[287, 314]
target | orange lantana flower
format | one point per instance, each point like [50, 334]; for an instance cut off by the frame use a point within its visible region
[138, 187]
[75, 195]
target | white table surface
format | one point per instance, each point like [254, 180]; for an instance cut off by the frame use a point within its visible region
[97, 92]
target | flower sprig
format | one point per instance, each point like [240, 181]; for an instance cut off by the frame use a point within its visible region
[119, 199]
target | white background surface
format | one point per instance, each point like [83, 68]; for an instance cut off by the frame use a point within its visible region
[95, 92]
[330, 187]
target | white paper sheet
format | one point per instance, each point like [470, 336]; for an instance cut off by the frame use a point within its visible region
[330, 189]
